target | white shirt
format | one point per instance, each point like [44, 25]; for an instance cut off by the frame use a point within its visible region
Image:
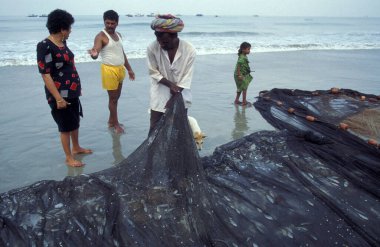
[112, 53]
[179, 72]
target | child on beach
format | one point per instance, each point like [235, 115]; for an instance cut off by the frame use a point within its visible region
[242, 74]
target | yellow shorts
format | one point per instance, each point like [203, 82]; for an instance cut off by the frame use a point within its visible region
[112, 76]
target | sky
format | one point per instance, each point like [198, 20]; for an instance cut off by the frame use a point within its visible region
[331, 8]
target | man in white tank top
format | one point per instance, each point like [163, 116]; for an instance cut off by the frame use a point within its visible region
[108, 44]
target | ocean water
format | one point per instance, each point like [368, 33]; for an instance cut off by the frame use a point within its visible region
[209, 34]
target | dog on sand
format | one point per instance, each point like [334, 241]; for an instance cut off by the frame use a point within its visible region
[199, 136]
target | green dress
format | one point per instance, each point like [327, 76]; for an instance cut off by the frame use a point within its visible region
[245, 70]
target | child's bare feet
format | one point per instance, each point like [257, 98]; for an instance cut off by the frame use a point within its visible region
[81, 150]
[237, 102]
[70, 161]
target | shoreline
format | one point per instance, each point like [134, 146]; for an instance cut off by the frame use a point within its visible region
[30, 150]
[224, 54]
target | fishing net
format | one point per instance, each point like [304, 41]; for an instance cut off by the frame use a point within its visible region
[308, 184]
[366, 123]
[344, 108]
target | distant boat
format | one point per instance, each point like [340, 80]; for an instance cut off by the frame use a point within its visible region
[33, 15]
[216, 15]
[151, 15]
[255, 15]
[129, 15]
[139, 15]
[199, 14]
[43, 15]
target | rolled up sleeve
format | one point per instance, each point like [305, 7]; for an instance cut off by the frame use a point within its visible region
[154, 73]
[188, 70]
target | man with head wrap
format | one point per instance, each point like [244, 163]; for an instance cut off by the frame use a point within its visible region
[171, 64]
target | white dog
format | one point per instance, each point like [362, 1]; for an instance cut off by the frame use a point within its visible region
[197, 133]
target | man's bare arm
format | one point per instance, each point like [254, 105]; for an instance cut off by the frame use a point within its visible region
[98, 45]
[172, 86]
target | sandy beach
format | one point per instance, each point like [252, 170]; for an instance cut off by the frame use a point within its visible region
[30, 149]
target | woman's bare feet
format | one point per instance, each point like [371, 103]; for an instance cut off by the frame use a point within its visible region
[70, 161]
[81, 150]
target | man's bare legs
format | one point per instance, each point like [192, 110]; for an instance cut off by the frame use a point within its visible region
[77, 149]
[113, 97]
[155, 117]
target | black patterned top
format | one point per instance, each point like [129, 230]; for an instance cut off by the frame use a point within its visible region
[59, 63]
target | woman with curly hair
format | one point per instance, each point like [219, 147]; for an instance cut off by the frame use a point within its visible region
[62, 83]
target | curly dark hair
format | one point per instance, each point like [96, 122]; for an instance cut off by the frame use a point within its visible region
[243, 46]
[111, 15]
[59, 20]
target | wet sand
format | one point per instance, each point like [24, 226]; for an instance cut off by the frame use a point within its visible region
[30, 149]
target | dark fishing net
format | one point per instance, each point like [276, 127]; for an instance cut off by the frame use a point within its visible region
[311, 184]
[156, 197]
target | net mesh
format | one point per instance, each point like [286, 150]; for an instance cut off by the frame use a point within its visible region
[309, 183]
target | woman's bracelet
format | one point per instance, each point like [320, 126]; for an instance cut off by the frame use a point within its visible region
[60, 101]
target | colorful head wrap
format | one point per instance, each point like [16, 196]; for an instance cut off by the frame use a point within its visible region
[167, 23]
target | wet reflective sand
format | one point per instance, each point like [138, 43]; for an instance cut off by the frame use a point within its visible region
[29, 145]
